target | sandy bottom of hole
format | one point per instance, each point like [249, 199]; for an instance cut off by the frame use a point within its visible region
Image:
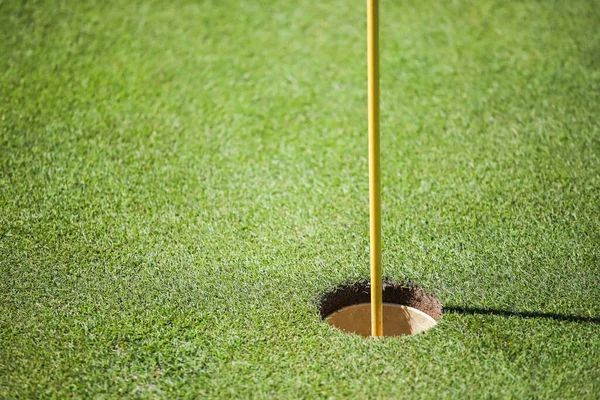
[398, 320]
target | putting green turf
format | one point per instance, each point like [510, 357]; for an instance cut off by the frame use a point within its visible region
[180, 182]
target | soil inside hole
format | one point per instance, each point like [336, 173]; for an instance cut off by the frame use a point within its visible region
[407, 308]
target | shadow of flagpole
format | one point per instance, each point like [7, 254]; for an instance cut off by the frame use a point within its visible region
[521, 314]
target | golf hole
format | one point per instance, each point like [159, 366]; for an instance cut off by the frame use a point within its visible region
[407, 309]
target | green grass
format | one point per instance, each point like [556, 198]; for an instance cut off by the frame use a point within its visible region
[180, 182]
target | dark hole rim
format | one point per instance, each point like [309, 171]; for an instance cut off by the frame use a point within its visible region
[394, 292]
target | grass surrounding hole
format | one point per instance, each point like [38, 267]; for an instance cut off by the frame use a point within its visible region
[181, 181]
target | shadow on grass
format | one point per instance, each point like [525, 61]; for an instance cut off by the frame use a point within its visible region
[522, 314]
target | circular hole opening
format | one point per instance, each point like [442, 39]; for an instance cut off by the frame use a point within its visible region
[407, 309]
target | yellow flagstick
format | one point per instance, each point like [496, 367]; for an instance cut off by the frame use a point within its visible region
[374, 168]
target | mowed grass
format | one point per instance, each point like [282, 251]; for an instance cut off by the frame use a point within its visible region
[181, 181]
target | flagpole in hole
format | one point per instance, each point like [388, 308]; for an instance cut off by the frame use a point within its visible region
[374, 167]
